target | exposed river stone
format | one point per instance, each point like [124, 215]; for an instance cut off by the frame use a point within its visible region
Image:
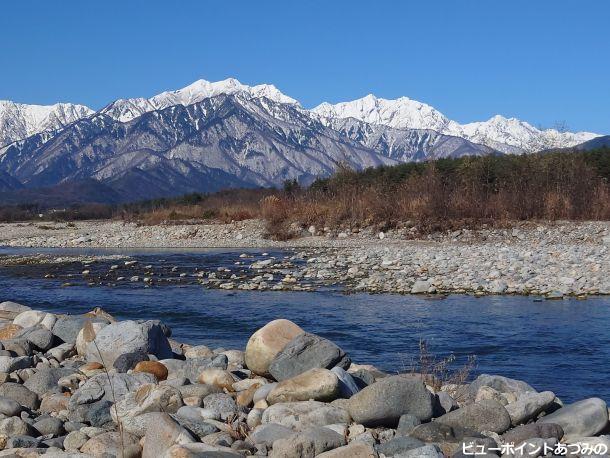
[528, 405]
[307, 351]
[305, 414]
[583, 418]
[307, 444]
[57, 400]
[383, 402]
[267, 342]
[315, 384]
[486, 415]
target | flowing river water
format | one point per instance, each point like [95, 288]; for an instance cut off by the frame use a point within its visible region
[561, 345]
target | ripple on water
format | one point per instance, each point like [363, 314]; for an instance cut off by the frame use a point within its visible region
[562, 346]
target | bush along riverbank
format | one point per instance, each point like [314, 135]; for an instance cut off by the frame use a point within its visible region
[89, 385]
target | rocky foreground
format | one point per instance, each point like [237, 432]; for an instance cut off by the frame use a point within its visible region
[88, 385]
[551, 260]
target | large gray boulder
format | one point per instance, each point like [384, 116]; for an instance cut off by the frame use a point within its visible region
[21, 394]
[528, 405]
[383, 402]
[109, 387]
[307, 351]
[45, 379]
[40, 338]
[524, 432]
[498, 383]
[68, 327]
[164, 432]
[583, 418]
[13, 307]
[128, 337]
[267, 342]
[486, 415]
[307, 444]
[303, 415]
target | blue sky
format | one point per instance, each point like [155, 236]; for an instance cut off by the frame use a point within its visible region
[541, 61]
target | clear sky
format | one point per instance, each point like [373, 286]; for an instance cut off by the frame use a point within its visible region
[543, 61]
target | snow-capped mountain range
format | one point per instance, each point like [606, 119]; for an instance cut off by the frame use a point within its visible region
[18, 120]
[507, 135]
[209, 136]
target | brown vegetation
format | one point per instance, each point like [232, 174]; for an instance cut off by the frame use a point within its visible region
[452, 194]
[438, 372]
[434, 196]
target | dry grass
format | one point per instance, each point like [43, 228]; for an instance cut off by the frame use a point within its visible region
[224, 207]
[438, 372]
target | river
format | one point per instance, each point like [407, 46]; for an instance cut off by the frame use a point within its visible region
[562, 346]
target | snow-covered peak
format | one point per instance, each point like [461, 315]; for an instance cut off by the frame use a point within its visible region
[509, 135]
[127, 109]
[499, 131]
[18, 120]
[401, 113]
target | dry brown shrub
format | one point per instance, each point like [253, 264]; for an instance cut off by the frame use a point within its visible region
[437, 372]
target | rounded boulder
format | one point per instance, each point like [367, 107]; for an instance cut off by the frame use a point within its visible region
[385, 401]
[267, 342]
[316, 384]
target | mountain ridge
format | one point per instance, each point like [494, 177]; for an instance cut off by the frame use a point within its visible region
[508, 135]
[402, 113]
[211, 136]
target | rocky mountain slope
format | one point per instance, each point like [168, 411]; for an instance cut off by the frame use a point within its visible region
[222, 141]
[407, 145]
[18, 121]
[209, 136]
[510, 136]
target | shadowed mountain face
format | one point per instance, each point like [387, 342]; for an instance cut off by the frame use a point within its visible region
[64, 194]
[599, 142]
[8, 182]
[407, 145]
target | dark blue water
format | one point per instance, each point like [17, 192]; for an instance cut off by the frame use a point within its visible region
[562, 346]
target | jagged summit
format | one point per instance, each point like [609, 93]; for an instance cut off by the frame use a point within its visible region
[127, 109]
[508, 135]
[19, 120]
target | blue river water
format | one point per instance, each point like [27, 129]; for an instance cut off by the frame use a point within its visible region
[562, 346]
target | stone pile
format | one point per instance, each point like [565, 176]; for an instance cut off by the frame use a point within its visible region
[91, 386]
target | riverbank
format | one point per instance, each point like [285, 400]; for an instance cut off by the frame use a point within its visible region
[552, 260]
[89, 385]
